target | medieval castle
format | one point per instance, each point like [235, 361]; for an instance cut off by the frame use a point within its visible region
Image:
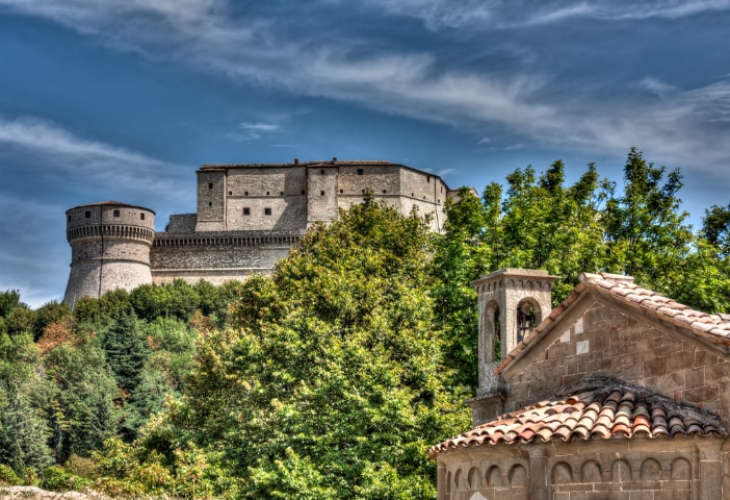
[248, 218]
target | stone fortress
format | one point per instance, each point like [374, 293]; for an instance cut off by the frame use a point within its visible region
[248, 217]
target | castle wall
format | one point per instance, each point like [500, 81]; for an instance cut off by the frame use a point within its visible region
[322, 191]
[183, 223]
[248, 217]
[218, 256]
[211, 201]
[110, 245]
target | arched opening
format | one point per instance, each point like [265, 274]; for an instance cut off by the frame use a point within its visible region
[493, 331]
[528, 317]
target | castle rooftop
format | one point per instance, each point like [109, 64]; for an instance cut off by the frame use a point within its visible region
[109, 203]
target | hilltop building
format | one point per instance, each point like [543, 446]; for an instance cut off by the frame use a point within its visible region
[248, 218]
[617, 394]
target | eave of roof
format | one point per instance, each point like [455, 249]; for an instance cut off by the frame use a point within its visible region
[596, 407]
[713, 328]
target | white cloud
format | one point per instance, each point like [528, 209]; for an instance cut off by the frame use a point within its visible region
[682, 126]
[29, 142]
[251, 131]
[489, 14]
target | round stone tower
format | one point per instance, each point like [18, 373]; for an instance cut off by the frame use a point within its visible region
[110, 248]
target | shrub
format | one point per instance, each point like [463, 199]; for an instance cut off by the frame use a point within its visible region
[8, 477]
[57, 479]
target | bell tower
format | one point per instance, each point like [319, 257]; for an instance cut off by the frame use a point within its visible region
[511, 303]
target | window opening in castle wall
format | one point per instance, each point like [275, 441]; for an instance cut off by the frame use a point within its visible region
[246, 211]
[116, 213]
[267, 211]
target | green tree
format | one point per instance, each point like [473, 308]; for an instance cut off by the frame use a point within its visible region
[125, 346]
[50, 312]
[335, 375]
[9, 300]
[81, 408]
[716, 228]
[23, 430]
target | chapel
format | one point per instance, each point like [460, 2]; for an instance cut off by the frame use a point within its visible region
[618, 393]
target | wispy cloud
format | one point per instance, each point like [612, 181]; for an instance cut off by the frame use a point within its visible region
[489, 14]
[682, 126]
[251, 131]
[57, 151]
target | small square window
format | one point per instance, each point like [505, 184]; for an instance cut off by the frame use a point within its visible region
[246, 211]
[363, 191]
[87, 214]
[267, 211]
[210, 203]
[210, 185]
[141, 216]
[282, 193]
[321, 172]
[230, 193]
[245, 193]
[116, 213]
[360, 171]
[413, 194]
[321, 193]
[69, 218]
[429, 179]
[384, 191]
[268, 193]
[303, 191]
[340, 191]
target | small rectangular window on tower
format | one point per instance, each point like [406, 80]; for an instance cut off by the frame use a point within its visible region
[246, 211]
[267, 211]
[210, 185]
[359, 171]
[141, 216]
[87, 214]
[116, 213]
[321, 193]
[69, 218]
[210, 203]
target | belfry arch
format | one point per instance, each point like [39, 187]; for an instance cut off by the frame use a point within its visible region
[511, 303]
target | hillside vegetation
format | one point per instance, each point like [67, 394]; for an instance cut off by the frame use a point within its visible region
[332, 377]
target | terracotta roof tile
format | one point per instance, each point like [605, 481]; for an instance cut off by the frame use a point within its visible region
[596, 407]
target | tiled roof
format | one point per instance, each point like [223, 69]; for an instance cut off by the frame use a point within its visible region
[714, 328]
[596, 407]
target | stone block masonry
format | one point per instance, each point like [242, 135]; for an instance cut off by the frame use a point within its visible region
[248, 218]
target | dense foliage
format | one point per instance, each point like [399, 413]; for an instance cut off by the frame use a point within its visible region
[332, 377]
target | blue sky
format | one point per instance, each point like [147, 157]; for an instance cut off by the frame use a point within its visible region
[124, 99]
